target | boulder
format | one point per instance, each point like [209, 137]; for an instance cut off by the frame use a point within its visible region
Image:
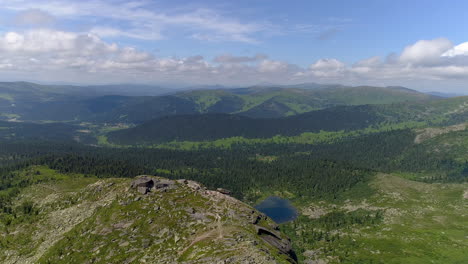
[143, 184]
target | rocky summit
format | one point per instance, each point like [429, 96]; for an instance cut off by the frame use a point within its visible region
[145, 220]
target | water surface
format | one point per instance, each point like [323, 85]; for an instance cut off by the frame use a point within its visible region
[278, 209]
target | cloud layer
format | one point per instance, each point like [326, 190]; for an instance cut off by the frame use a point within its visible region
[88, 57]
[38, 49]
[85, 56]
[136, 19]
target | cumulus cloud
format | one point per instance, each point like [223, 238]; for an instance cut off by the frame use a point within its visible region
[53, 56]
[426, 60]
[272, 66]
[82, 57]
[48, 49]
[459, 50]
[325, 68]
[425, 51]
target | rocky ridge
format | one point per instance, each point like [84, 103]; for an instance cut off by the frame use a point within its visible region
[148, 220]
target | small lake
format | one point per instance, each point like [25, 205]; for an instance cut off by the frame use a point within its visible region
[278, 209]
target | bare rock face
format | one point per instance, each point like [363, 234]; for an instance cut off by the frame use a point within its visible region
[274, 238]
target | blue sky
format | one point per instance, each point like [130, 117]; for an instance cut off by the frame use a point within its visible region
[420, 44]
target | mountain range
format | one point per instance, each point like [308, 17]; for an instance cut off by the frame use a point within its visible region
[32, 102]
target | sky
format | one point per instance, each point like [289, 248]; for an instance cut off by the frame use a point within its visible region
[417, 44]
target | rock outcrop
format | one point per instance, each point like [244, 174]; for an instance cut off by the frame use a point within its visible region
[145, 184]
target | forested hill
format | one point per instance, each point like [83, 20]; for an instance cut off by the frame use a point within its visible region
[32, 102]
[348, 118]
[215, 126]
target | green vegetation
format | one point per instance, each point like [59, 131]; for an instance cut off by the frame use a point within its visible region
[404, 222]
[380, 183]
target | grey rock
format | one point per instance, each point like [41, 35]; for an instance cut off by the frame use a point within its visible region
[143, 184]
[224, 191]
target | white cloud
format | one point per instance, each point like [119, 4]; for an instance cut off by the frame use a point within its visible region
[58, 56]
[326, 68]
[459, 50]
[436, 61]
[425, 51]
[44, 41]
[327, 64]
[272, 66]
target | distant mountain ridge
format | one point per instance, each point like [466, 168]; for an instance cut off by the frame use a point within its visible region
[445, 95]
[28, 101]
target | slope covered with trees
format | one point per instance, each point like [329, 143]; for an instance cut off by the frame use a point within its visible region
[342, 118]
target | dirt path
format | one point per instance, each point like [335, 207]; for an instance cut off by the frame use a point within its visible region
[216, 233]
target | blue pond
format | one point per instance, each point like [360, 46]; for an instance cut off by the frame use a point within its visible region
[278, 209]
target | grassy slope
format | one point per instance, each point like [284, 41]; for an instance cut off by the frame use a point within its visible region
[422, 223]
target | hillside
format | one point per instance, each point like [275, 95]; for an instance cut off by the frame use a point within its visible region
[58, 132]
[404, 221]
[68, 218]
[216, 126]
[271, 101]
